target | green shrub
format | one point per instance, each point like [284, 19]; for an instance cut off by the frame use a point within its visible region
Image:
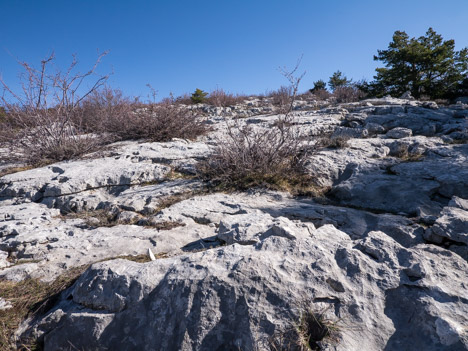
[318, 85]
[199, 96]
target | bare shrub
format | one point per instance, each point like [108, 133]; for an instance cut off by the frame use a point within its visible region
[156, 122]
[220, 98]
[333, 142]
[104, 110]
[348, 94]
[253, 156]
[40, 124]
[321, 94]
[3, 115]
[281, 98]
[257, 157]
[184, 99]
[116, 117]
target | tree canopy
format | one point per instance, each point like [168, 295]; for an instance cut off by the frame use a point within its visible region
[318, 85]
[338, 80]
[427, 65]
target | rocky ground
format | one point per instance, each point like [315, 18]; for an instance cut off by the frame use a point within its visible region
[384, 256]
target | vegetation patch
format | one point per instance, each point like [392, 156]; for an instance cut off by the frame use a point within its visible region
[95, 218]
[29, 297]
[333, 142]
[249, 157]
[11, 170]
[310, 331]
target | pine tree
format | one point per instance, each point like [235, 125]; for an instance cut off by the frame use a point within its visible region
[338, 80]
[198, 96]
[318, 85]
[427, 65]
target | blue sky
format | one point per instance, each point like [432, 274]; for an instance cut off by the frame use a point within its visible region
[177, 46]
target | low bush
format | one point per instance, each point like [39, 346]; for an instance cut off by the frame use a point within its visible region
[157, 122]
[38, 137]
[348, 94]
[282, 98]
[220, 98]
[184, 99]
[274, 157]
[250, 157]
[103, 110]
[108, 112]
[321, 94]
[39, 127]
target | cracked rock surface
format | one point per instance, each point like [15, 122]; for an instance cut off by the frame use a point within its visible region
[384, 253]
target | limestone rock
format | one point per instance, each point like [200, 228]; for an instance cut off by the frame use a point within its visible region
[399, 133]
[239, 295]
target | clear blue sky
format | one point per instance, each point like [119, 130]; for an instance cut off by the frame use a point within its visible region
[237, 45]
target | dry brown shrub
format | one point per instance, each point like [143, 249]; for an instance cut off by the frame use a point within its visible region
[156, 122]
[116, 117]
[102, 109]
[321, 94]
[273, 157]
[348, 94]
[184, 99]
[281, 98]
[39, 127]
[251, 157]
[220, 98]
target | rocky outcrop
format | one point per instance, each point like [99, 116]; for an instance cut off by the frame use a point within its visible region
[384, 252]
[238, 296]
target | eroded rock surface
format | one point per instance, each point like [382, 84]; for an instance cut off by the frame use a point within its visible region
[385, 251]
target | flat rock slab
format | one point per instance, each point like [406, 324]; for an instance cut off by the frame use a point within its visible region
[76, 176]
[46, 245]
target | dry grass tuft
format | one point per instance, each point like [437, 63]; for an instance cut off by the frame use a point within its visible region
[29, 297]
[11, 170]
[307, 334]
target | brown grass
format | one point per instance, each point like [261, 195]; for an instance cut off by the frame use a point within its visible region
[105, 218]
[333, 142]
[11, 170]
[29, 297]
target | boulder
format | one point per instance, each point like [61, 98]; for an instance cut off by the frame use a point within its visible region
[399, 133]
